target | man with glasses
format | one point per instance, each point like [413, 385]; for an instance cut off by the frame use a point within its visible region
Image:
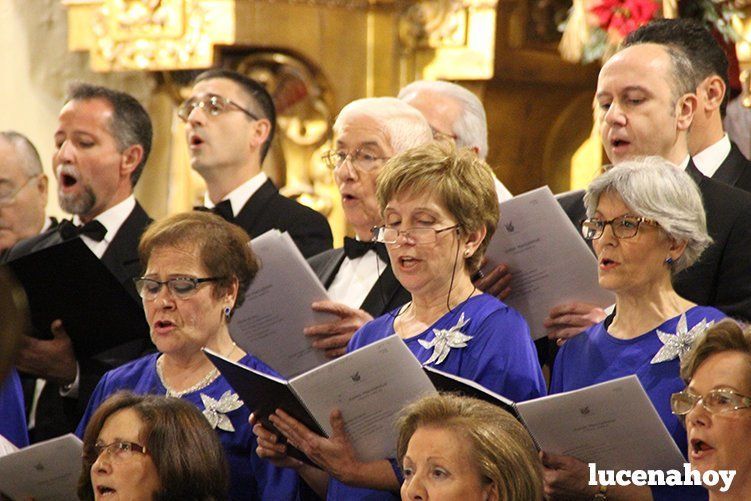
[229, 123]
[455, 114]
[102, 141]
[23, 190]
[646, 97]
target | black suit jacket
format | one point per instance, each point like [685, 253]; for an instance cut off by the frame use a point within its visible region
[722, 276]
[57, 415]
[735, 170]
[386, 295]
[267, 210]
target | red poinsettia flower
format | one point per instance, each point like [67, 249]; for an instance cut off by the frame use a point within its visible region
[624, 16]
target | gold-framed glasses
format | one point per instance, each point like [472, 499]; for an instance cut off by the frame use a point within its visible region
[359, 159]
[417, 236]
[8, 195]
[179, 287]
[118, 450]
[717, 401]
[212, 104]
[623, 226]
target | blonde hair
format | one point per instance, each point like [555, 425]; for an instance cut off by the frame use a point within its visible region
[462, 182]
[500, 447]
[726, 335]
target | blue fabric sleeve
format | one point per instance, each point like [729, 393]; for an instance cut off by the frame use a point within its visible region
[12, 411]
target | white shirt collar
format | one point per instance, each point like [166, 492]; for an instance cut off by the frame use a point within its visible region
[113, 218]
[47, 224]
[240, 195]
[710, 158]
[684, 164]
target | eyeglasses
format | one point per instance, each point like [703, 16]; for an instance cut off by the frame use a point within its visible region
[8, 197]
[623, 226]
[443, 136]
[179, 287]
[716, 401]
[212, 104]
[359, 159]
[117, 450]
[417, 236]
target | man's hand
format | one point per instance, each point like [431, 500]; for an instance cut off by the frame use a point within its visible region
[52, 359]
[565, 477]
[496, 282]
[334, 455]
[567, 320]
[334, 336]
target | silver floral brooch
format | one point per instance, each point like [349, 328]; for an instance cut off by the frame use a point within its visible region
[215, 411]
[680, 343]
[445, 339]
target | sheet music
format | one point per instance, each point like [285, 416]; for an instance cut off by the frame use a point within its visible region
[47, 471]
[270, 322]
[370, 385]
[549, 261]
[613, 424]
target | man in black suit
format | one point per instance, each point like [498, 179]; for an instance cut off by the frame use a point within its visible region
[229, 122]
[712, 152]
[102, 142]
[23, 190]
[647, 101]
[358, 276]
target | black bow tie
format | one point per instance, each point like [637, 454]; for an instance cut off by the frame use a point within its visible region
[223, 209]
[93, 229]
[357, 248]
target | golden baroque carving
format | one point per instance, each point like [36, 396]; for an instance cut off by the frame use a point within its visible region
[153, 34]
[438, 23]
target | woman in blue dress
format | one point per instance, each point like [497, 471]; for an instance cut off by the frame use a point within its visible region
[12, 413]
[646, 222]
[198, 267]
[440, 210]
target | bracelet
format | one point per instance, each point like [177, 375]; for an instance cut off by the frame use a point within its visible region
[602, 494]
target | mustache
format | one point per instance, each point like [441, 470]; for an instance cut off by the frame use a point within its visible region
[67, 170]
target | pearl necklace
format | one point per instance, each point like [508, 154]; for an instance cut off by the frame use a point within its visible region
[203, 383]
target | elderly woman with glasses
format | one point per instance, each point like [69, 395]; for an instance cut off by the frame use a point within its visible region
[716, 406]
[440, 209]
[197, 269]
[135, 448]
[647, 222]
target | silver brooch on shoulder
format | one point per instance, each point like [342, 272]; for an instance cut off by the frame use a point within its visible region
[445, 339]
[215, 411]
[680, 343]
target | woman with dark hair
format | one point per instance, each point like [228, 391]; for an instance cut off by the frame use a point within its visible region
[151, 447]
[197, 269]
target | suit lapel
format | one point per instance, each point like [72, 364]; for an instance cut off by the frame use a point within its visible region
[732, 167]
[694, 172]
[330, 269]
[121, 256]
[382, 293]
[250, 215]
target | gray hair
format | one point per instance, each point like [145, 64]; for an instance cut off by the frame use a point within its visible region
[405, 126]
[654, 188]
[27, 153]
[471, 128]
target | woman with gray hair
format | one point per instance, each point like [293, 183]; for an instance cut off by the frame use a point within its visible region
[646, 222]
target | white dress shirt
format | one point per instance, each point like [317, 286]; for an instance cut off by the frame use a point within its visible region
[240, 195]
[112, 219]
[355, 279]
[709, 159]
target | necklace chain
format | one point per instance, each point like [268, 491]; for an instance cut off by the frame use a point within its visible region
[203, 383]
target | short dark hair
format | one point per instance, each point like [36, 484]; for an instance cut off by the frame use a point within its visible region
[222, 247]
[188, 456]
[256, 92]
[706, 55]
[130, 123]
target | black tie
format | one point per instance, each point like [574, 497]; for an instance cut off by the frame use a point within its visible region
[223, 209]
[357, 248]
[93, 229]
